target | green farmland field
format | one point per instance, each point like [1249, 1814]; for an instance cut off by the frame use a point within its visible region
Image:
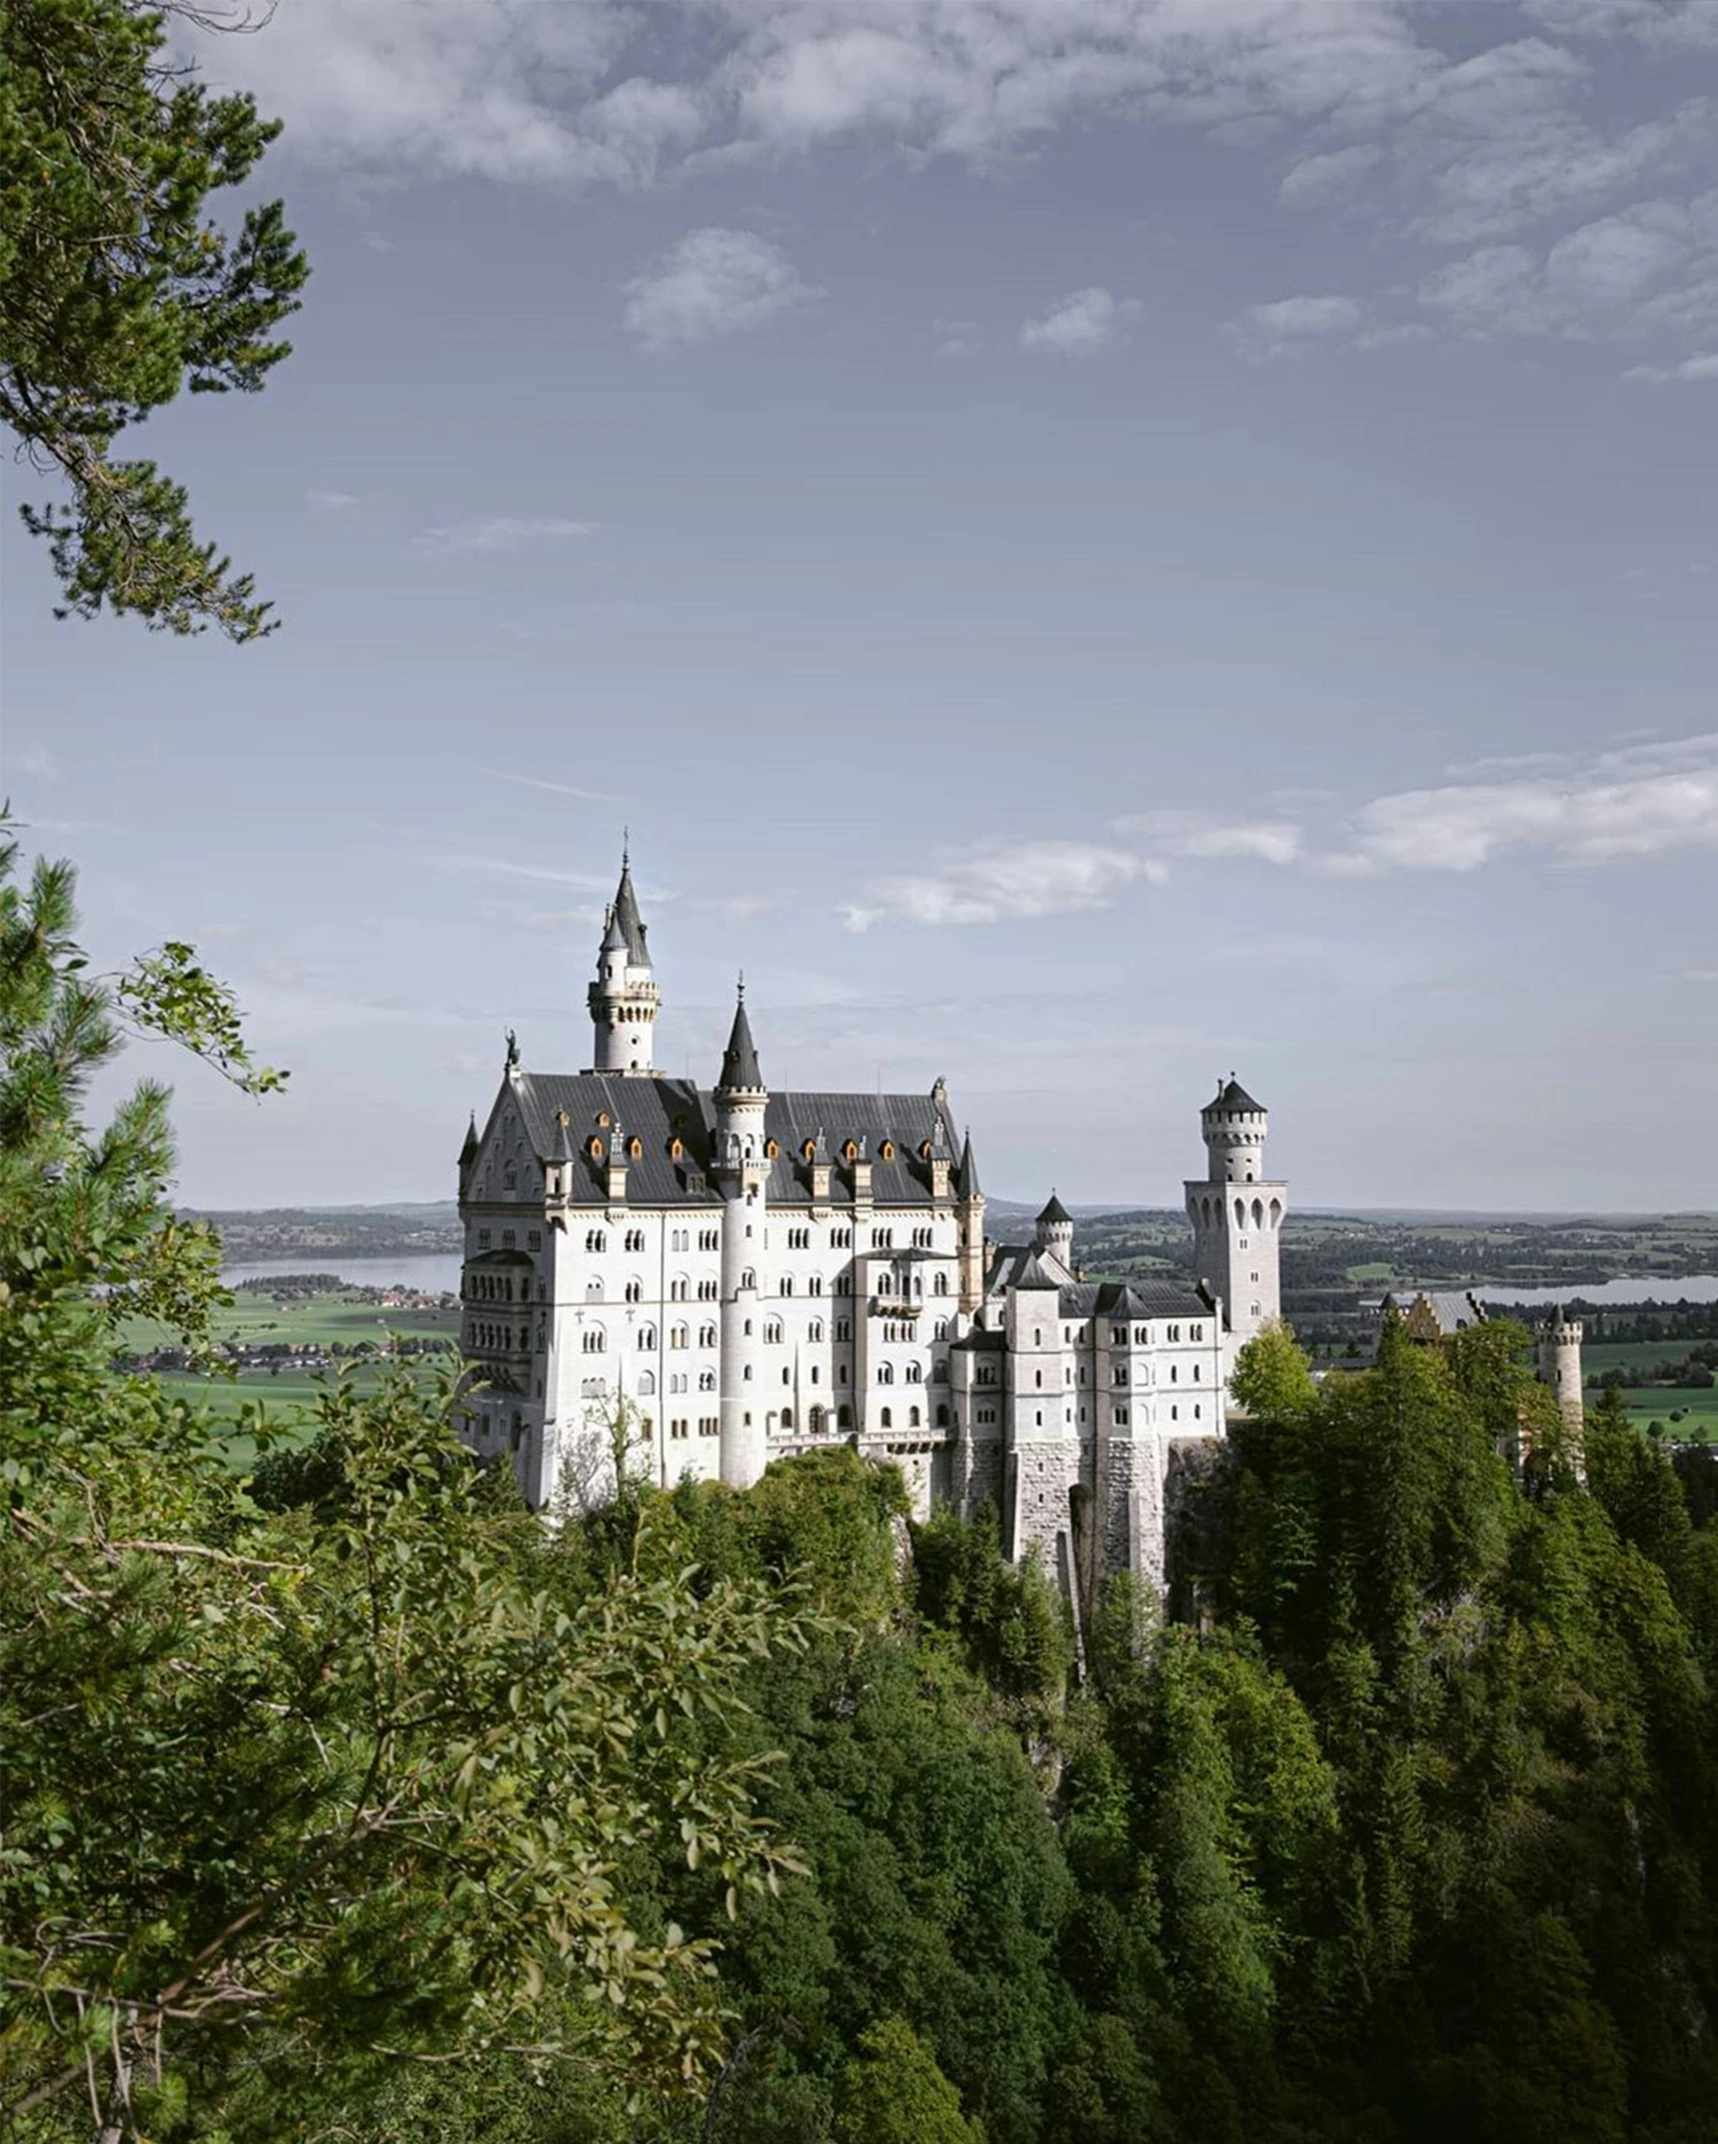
[1657, 1403]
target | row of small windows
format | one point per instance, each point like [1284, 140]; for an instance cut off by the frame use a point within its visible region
[499, 1338]
[912, 1373]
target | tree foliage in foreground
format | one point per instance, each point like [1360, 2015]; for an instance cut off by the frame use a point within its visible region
[292, 1794]
[118, 290]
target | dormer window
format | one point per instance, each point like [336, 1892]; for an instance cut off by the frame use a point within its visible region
[808, 1152]
[887, 1150]
[594, 1149]
[772, 1151]
[635, 1149]
[850, 1152]
[604, 1120]
[676, 1149]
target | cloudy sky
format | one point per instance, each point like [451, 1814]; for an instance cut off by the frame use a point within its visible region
[1092, 542]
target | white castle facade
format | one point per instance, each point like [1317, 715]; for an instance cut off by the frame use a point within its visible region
[753, 1272]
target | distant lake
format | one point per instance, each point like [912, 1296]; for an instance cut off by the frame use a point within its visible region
[1647, 1288]
[431, 1272]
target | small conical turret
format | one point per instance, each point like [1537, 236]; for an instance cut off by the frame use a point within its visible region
[623, 999]
[740, 1070]
[468, 1152]
[626, 915]
[967, 1176]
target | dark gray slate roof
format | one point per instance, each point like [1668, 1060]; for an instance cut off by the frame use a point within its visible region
[1234, 1096]
[659, 1111]
[966, 1176]
[980, 1341]
[1017, 1266]
[740, 1058]
[626, 915]
[1125, 1301]
[1055, 1215]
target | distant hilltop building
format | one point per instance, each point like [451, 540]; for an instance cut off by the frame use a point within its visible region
[754, 1272]
[1433, 1314]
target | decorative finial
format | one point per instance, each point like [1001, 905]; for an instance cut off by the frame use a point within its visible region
[742, 986]
[626, 848]
[512, 1051]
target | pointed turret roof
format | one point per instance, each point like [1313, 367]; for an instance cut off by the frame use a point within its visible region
[1232, 1095]
[740, 1059]
[561, 1152]
[1055, 1215]
[626, 916]
[614, 938]
[968, 1172]
[468, 1152]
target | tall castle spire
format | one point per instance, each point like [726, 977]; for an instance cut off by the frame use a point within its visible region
[624, 999]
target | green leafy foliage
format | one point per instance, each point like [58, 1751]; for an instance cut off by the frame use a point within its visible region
[117, 291]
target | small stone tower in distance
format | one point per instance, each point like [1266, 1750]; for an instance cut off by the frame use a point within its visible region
[623, 998]
[1237, 1216]
[1560, 1366]
[1054, 1232]
[741, 1169]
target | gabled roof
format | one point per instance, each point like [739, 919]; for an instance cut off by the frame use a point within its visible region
[1136, 1300]
[740, 1070]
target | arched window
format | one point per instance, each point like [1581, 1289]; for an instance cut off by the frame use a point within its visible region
[748, 1279]
[677, 1336]
[676, 1150]
[772, 1331]
[915, 1373]
[646, 1383]
[647, 1338]
[912, 1418]
[596, 1240]
[939, 1286]
[593, 1289]
[678, 1288]
[594, 1340]
[635, 1291]
[787, 1418]
[814, 1421]
[886, 1420]
[885, 1373]
[942, 1414]
[635, 1149]
[635, 1239]
[815, 1330]
[706, 1336]
[787, 1284]
[706, 1380]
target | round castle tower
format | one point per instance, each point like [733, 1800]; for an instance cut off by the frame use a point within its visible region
[741, 1169]
[624, 1000]
[1054, 1232]
[1237, 1217]
[1560, 1364]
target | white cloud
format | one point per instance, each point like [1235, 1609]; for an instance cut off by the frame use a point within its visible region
[956, 338]
[995, 885]
[1703, 367]
[1637, 802]
[1293, 323]
[1201, 834]
[1650, 266]
[492, 535]
[1459, 146]
[711, 282]
[1316, 180]
[332, 502]
[1081, 324]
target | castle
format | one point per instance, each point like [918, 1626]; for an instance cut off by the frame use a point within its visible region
[736, 1273]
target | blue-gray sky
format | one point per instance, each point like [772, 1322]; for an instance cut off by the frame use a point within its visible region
[1093, 542]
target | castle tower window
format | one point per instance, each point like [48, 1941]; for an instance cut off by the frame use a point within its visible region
[886, 1419]
[885, 1373]
[912, 1418]
[676, 1149]
[787, 1418]
[647, 1338]
[594, 1340]
[887, 1150]
[942, 1414]
[706, 1336]
[635, 1149]
[593, 1290]
[706, 1380]
[772, 1152]
[635, 1291]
